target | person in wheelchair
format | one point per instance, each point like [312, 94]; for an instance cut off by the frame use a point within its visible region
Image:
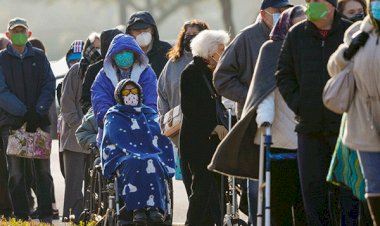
[134, 149]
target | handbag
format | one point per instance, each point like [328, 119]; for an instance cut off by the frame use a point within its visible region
[29, 145]
[339, 91]
[172, 121]
[221, 111]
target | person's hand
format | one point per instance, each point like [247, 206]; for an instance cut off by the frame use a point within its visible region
[32, 119]
[357, 42]
[265, 124]
[221, 131]
[43, 120]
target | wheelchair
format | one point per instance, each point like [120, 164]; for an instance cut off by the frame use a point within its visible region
[102, 200]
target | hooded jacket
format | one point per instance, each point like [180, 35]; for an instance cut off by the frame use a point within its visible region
[102, 91]
[105, 41]
[157, 55]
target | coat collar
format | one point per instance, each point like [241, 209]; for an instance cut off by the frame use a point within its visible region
[27, 53]
[310, 26]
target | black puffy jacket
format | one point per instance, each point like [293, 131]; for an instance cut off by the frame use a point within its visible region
[302, 74]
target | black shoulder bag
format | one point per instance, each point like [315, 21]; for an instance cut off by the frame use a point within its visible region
[221, 111]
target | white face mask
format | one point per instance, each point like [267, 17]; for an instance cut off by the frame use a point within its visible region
[275, 17]
[144, 39]
[131, 100]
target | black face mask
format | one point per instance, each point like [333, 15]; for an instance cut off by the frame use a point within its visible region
[187, 41]
[357, 17]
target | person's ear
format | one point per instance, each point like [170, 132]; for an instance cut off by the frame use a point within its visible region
[29, 34]
[8, 35]
[262, 13]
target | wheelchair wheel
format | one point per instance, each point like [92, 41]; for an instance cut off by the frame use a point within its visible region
[110, 219]
[238, 222]
[98, 200]
[169, 216]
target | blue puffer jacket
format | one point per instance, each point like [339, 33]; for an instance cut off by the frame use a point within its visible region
[102, 91]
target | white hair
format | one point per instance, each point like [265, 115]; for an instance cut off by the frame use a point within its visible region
[207, 41]
[93, 36]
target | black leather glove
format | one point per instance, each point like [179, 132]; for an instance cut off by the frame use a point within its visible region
[357, 42]
[31, 118]
[43, 120]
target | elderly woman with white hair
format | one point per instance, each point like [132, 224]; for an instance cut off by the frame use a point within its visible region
[201, 132]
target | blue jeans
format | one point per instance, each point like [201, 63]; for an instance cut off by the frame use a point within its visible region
[17, 168]
[370, 164]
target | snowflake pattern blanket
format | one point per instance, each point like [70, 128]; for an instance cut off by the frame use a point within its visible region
[134, 149]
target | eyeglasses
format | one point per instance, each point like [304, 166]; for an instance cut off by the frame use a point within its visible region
[126, 92]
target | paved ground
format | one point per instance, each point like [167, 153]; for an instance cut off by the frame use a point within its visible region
[180, 198]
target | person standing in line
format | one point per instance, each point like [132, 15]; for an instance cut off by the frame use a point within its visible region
[53, 133]
[26, 93]
[90, 75]
[353, 10]
[301, 76]
[233, 73]
[201, 132]
[74, 157]
[168, 82]
[143, 28]
[361, 53]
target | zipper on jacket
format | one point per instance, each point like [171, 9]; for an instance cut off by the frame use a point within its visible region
[323, 43]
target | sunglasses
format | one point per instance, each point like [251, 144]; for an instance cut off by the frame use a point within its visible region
[126, 92]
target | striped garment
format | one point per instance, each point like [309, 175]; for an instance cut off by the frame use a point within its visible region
[345, 169]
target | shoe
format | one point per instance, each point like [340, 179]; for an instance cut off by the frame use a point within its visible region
[155, 216]
[55, 214]
[374, 208]
[139, 216]
[47, 220]
[34, 214]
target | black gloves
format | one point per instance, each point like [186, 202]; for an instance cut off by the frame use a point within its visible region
[35, 120]
[31, 118]
[265, 124]
[357, 42]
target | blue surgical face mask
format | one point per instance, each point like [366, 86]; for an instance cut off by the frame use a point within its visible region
[124, 59]
[375, 10]
[275, 17]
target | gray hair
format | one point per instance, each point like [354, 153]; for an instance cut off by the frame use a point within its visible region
[207, 41]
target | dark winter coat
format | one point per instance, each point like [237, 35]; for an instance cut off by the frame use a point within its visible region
[237, 154]
[234, 72]
[199, 111]
[105, 41]
[302, 74]
[157, 55]
[27, 83]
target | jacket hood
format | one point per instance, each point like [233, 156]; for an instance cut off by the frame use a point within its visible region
[146, 17]
[120, 87]
[106, 39]
[124, 42]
